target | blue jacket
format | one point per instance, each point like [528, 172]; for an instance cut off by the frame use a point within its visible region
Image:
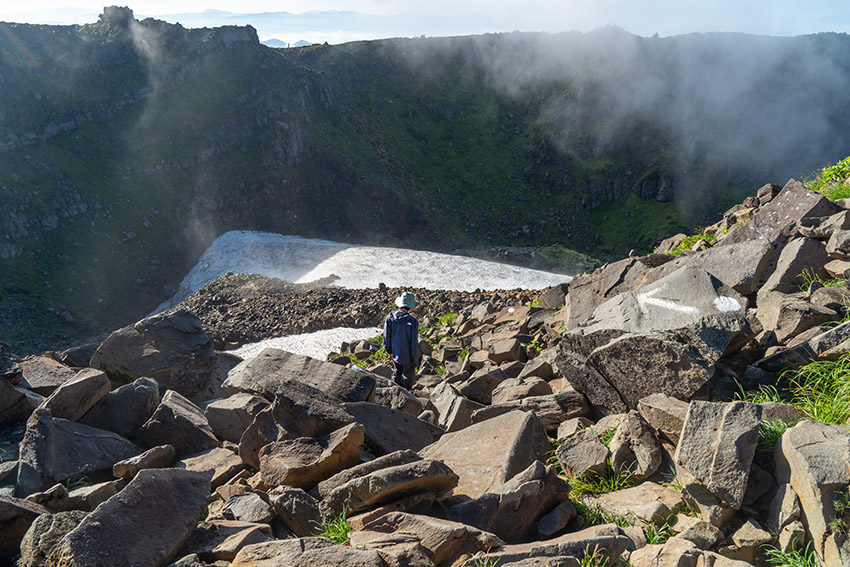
[401, 337]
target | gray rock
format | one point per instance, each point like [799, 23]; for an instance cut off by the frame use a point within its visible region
[16, 517]
[54, 498]
[555, 296]
[312, 551]
[298, 511]
[588, 291]
[556, 519]
[699, 532]
[513, 510]
[647, 502]
[151, 518]
[551, 410]
[541, 366]
[10, 365]
[180, 423]
[223, 463]
[571, 362]
[479, 387]
[248, 507]
[308, 412]
[221, 540]
[231, 416]
[800, 254]
[267, 373]
[78, 395]
[396, 458]
[13, 405]
[784, 508]
[155, 458]
[514, 389]
[665, 414]
[485, 455]
[398, 398]
[455, 410]
[388, 430]
[125, 409]
[607, 539]
[718, 445]
[635, 447]
[90, 497]
[306, 461]
[821, 346]
[171, 348]
[54, 450]
[838, 245]
[505, 351]
[582, 452]
[44, 536]
[42, 375]
[814, 458]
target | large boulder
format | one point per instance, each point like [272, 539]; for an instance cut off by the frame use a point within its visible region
[54, 450]
[45, 534]
[582, 452]
[180, 423]
[78, 395]
[231, 416]
[488, 454]
[310, 551]
[298, 511]
[455, 410]
[125, 409]
[588, 291]
[267, 373]
[717, 447]
[388, 430]
[648, 502]
[635, 447]
[814, 458]
[13, 404]
[551, 410]
[148, 521]
[172, 348]
[42, 374]
[394, 459]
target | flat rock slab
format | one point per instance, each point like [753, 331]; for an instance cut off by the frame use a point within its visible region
[148, 521]
[78, 395]
[159, 457]
[42, 375]
[388, 430]
[390, 460]
[54, 450]
[648, 502]
[488, 454]
[717, 447]
[310, 551]
[223, 463]
[264, 374]
[171, 348]
[607, 538]
[45, 533]
[551, 409]
[231, 416]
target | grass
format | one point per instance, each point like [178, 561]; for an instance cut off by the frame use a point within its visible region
[689, 241]
[595, 516]
[481, 559]
[822, 389]
[841, 503]
[807, 277]
[77, 481]
[656, 534]
[793, 558]
[335, 529]
[769, 433]
[832, 181]
[606, 435]
[601, 483]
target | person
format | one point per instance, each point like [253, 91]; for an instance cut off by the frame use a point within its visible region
[401, 340]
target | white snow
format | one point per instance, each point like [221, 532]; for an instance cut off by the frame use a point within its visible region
[302, 260]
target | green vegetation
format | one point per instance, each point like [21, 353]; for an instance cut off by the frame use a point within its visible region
[600, 483]
[595, 516]
[807, 277]
[822, 389]
[689, 241]
[841, 504]
[379, 357]
[448, 319]
[832, 181]
[593, 559]
[481, 559]
[607, 434]
[77, 481]
[658, 533]
[769, 433]
[335, 529]
[793, 558]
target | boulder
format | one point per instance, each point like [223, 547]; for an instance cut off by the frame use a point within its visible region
[635, 447]
[388, 430]
[78, 395]
[13, 404]
[248, 507]
[680, 552]
[814, 458]
[54, 450]
[298, 511]
[169, 347]
[556, 519]
[396, 458]
[718, 445]
[555, 296]
[312, 551]
[267, 374]
[307, 412]
[551, 409]
[16, 517]
[54, 498]
[514, 389]
[160, 457]
[398, 398]
[455, 410]
[581, 453]
[42, 375]
[388, 484]
[90, 497]
[607, 539]
[223, 463]
[125, 409]
[647, 502]
[231, 416]
[400, 549]
[838, 245]
[44, 536]
[444, 541]
[150, 519]
[798, 256]
[571, 362]
[486, 455]
[512, 511]
[306, 461]
[479, 387]
[180, 423]
[541, 366]
[665, 414]
[701, 533]
[826, 345]
[221, 540]
[588, 291]
[506, 350]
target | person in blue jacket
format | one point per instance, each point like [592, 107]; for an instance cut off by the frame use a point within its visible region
[401, 340]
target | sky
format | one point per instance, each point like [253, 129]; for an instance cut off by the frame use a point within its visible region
[375, 19]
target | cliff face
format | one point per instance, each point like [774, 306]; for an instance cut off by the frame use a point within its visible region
[126, 146]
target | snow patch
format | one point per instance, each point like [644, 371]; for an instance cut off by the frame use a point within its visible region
[316, 345]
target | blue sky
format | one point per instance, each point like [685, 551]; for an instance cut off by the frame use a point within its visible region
[373, 19]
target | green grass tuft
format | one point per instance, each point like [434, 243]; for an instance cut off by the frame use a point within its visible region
[335, 529]
[822, 389]
[656, 534]
[601, 483]
[833, 181]
[769, 433]
[794, 558]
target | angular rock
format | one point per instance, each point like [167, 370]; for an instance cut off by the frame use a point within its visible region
[221, 540]
[814, 458]
[455, 410]
[155, 458]
[248, 507]
[54, 498]
[581, 453]
[700, 533]
[387, 430]
[125, 409]
[571, 362]
[838, 245]
[486, 455]
[514, 389]
[90, 497]
[78, 395]
[223, 463]
[265, 429]
[10, 365]
[588, 291]
[304, 462]
[513, 510]
[552, 409]
[42, 375]
[540, 366]
[607, 539]
[798, 256]
[151, 518]
[171, 348]
[16, 517]
[44, 536]
[298, 511]
[707, 506]
[718, 445]
[443, 540]
[827, 345]
[784, 508]
[267, 374]
[680, 552]
[505, 351]
[648, 502]
[555, 296]
[394, 459]
[13, 406]
[54, 450]
[635, 447]
[399, 549]
[479, 387]
[823, 227]
[180, 423]
[231, 416]
[308, 412]
[388, 484]
[398, 398]
[312, 551]
[665, 414]
[556, 520]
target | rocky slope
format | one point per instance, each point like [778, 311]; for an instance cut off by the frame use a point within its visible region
[126, 146]
[597, 423]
